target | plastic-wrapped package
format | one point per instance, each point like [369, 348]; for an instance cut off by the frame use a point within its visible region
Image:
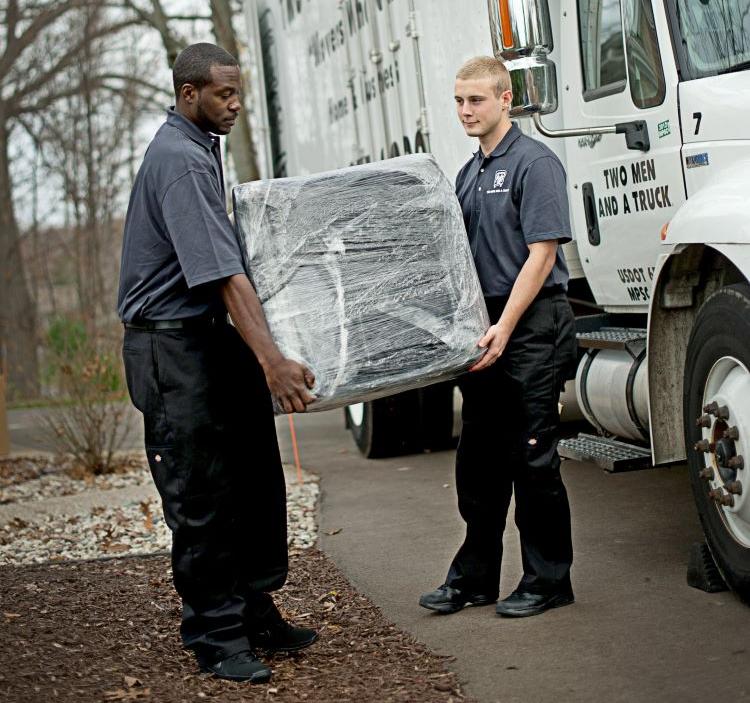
[365, 275]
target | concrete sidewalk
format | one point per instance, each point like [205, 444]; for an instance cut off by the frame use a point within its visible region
[636, 633]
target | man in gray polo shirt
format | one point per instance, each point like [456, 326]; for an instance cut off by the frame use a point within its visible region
[203, 385]
[512, 193]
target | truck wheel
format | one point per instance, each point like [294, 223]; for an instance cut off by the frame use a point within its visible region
[716, 405]
[404, 423]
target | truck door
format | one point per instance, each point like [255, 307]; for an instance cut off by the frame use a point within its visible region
[620, 70]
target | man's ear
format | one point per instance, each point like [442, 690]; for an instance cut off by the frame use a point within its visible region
[507, 99]
[189, 93]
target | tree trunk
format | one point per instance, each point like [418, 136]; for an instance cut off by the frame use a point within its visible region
[241, 144]
[17, 311]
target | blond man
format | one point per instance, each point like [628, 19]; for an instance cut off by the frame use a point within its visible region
[515, 208]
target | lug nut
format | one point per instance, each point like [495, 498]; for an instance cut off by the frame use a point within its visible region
[716, 494]
[734, 487]
[706, 474]
[732, 433]
[727, 501]
[711, 408]
[736, 462]
[704, 446]
[704, 421]
[722, 412]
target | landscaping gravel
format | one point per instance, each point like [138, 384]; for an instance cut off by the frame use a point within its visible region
[136, 527]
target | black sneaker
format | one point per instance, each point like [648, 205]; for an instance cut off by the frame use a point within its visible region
[446, 599]
[521, 604]
[243, 666]
[281, 636]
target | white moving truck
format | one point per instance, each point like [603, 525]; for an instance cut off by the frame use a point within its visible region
[647, 104]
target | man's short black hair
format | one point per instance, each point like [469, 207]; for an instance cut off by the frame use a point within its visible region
[193, 65]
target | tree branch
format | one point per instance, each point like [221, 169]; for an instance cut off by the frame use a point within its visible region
[50, 14]
[135, 81]
[66, 60]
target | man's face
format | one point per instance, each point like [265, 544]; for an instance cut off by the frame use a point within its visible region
[215, 105]
[479, 108]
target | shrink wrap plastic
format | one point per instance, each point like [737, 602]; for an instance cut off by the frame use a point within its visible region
[365, 275]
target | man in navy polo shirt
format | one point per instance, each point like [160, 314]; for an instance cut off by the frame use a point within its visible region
[512, 193]
[203, 385]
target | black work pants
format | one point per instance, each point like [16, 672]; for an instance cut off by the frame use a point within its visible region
[509, 445]
[211, 444]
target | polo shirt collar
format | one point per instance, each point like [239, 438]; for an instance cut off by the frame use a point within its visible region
[510, 136]
[189, 128]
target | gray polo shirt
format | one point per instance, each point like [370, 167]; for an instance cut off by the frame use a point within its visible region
[512, 198]
[178, 240]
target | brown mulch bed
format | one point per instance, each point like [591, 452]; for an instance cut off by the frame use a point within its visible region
[108, 631]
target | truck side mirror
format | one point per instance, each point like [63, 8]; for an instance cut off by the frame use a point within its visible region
[522, 38]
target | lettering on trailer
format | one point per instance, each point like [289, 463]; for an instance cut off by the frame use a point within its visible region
[322, 45]
[639, 200]
[374, 86]
[637, 293]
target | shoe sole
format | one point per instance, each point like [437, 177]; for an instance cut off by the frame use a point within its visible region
[258, 677]
[559, 603]
[449, 608]
[294, 648]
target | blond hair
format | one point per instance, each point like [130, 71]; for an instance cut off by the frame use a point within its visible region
[486, 67]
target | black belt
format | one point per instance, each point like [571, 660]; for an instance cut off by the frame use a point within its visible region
[546, 292]
[186, 323]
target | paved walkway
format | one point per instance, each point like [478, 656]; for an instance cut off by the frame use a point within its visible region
[637, 632]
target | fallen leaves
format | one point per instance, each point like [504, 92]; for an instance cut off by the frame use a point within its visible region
[121, 694]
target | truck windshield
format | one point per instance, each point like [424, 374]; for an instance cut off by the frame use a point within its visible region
[715, 36]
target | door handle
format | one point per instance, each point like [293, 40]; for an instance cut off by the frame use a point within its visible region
[592, 218]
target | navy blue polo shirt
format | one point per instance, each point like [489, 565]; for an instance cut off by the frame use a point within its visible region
[178, 240]
[512, 198]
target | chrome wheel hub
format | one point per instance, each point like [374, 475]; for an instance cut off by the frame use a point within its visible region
[725, 442]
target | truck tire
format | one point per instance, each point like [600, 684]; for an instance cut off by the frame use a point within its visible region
[717, 371]
[405, 423]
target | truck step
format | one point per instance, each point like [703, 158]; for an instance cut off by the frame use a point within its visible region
[628, 338]
[610, 454]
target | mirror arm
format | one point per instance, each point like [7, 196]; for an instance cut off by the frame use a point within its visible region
[636, 132]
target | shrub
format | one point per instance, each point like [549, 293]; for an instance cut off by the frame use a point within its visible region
[90, 422]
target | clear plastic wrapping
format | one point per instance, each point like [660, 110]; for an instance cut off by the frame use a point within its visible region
[365, 275]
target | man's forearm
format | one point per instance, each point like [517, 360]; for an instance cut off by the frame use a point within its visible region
[245, 309]
[530, 280]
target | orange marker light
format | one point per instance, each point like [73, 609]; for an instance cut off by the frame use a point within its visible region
[664, 229]
[505, 26]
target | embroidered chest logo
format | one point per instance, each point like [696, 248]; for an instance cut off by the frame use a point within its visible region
[499, 179]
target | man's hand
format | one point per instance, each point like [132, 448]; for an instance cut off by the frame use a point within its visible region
[494, 340]
[289, 382]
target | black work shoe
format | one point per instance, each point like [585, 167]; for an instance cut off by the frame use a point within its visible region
[281, 636]
[446, 599]
[243, 666]
[521, 604]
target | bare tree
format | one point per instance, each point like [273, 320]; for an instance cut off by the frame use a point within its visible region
[241, 144]
[36, 52]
